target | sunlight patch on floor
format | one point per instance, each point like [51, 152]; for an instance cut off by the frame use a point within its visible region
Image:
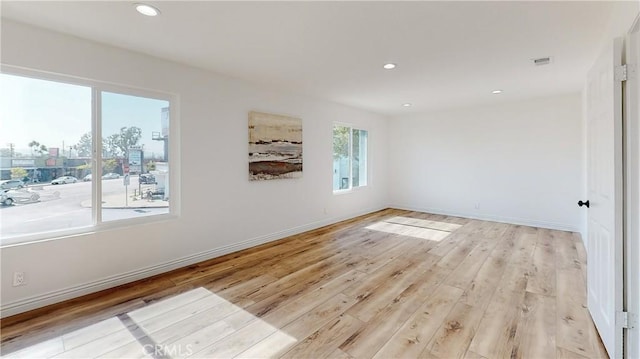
[424, 223]
[46, 349]
[196, 323]
[415, 227]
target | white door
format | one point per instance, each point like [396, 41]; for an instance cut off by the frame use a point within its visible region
[604, 170]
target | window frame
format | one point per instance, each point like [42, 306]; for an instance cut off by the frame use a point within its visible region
[351, 128]
[97, 88]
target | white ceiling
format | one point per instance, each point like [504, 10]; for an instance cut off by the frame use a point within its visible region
[448, 53]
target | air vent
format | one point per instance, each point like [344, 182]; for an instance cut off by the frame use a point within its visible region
[542, 61]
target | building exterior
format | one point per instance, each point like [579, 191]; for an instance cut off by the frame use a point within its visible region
[44, 168]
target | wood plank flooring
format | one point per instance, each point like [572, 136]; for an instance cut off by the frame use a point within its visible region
[392, 284]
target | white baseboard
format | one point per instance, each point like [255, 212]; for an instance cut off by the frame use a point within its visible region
[493, 218]
[38, 301]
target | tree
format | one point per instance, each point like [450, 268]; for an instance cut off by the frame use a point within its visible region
[118, 144]
[85, 145]
[38, 148]
[18, 172]
[110, 146]
[113, 146]
[33, 145]
[86, 166]
[109, 165]
[84, 169]
[340, 142]
[127, 138]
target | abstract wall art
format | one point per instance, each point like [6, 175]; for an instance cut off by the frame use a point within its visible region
[275, 146]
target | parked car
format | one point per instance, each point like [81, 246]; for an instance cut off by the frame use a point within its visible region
[9, 197]
[9, 184]
[147, 178]
[110, 175]
[87, 178]
[64, 180]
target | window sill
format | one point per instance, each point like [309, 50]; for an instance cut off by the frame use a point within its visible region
[84, 231]
[350, 190]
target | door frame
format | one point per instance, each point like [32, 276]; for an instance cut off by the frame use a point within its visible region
[631, 188]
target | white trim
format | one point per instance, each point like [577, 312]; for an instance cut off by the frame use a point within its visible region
[493, 218]
[96, 165]
[38, 301]
[632, 188]
[54, 235]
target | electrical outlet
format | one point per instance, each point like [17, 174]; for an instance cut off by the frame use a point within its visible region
[19, 279]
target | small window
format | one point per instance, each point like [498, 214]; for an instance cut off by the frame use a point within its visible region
[349, 157]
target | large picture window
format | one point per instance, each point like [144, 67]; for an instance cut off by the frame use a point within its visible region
[76, 157]
[349, 157]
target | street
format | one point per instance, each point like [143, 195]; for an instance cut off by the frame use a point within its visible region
[69, 206]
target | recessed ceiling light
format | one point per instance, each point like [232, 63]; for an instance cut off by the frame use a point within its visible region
[389, 66]
[406, 104]
[496, 92]
[147, 10]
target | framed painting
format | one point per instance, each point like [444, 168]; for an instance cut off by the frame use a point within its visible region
[275, 146]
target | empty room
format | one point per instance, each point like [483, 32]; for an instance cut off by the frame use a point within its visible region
[420, 179]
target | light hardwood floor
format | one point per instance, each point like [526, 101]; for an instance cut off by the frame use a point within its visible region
[390, 284]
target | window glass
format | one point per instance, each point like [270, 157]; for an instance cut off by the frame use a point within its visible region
[349, 157]
[135, 163]
[45, 144]
[341, 163]
[359, 158]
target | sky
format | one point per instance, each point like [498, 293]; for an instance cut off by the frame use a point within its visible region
[54, 113]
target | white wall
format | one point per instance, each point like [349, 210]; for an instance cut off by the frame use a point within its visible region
[234, 213]
[520, 162]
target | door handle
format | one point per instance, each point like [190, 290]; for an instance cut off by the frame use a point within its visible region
[580, 203]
